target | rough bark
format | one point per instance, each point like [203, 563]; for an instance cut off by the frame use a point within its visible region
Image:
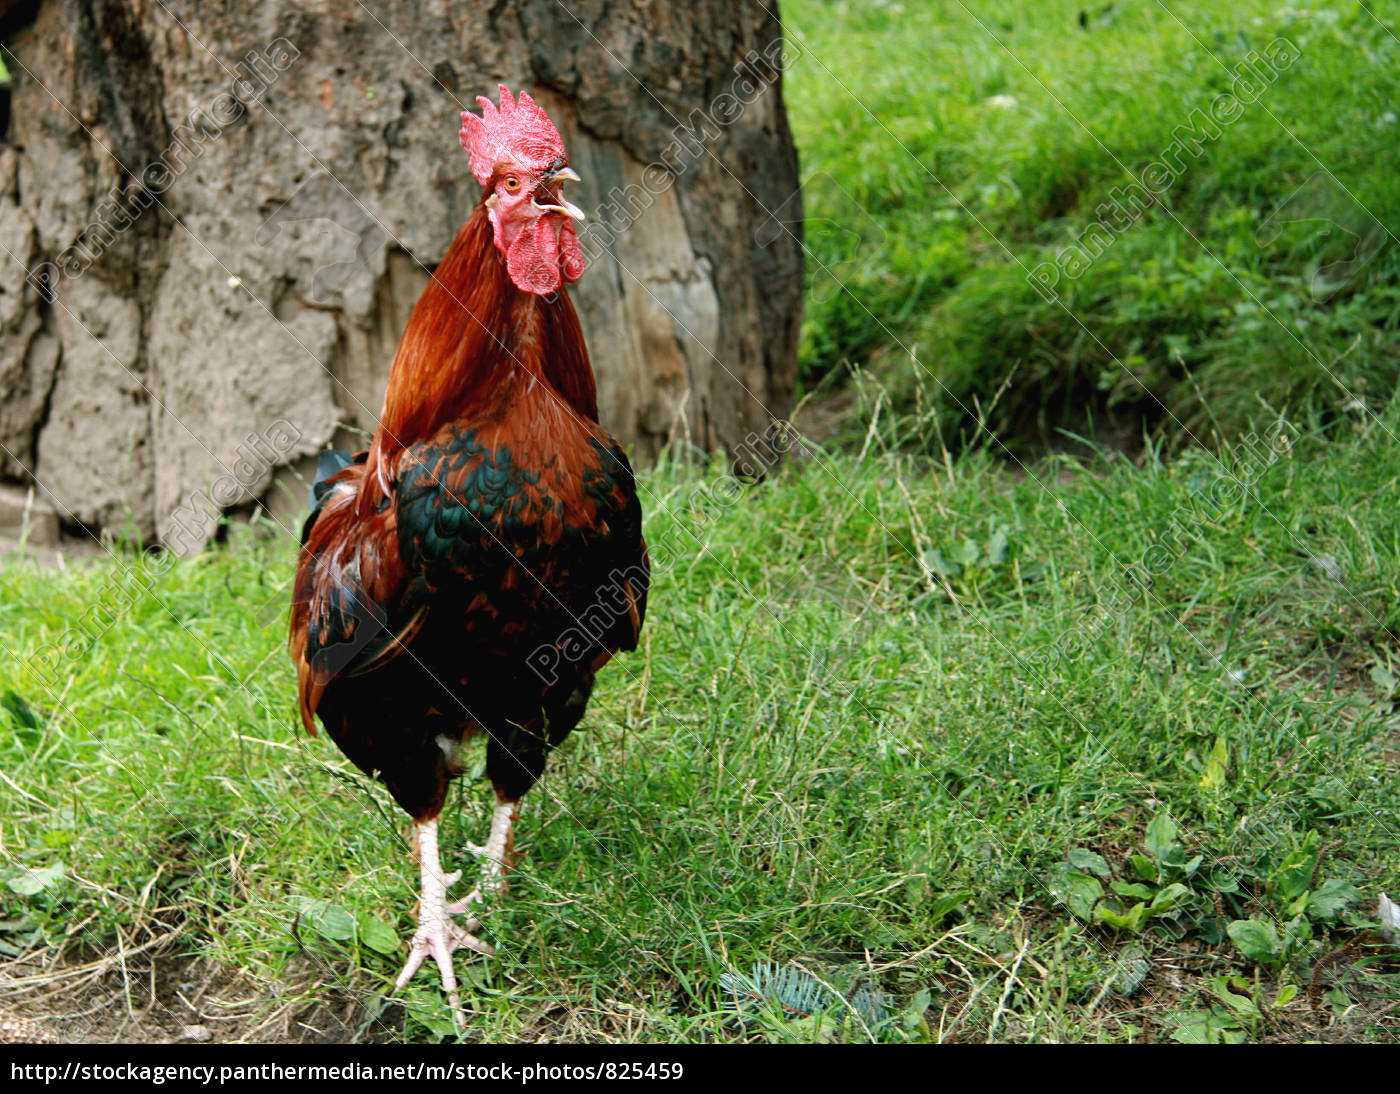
[216, 218]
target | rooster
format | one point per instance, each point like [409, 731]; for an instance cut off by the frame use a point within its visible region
[469, 574]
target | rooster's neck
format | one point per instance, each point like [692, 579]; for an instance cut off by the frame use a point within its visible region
[472, 339]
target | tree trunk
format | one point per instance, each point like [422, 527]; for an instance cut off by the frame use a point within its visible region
[218, 217]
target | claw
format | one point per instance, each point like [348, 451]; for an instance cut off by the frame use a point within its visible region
[460, 907]
[437, 936]
[440, 938]
[464, 907]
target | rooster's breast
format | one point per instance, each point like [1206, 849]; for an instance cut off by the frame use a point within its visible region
[514, 544]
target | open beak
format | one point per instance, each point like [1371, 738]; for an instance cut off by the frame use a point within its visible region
[559, 205]
[567, 208]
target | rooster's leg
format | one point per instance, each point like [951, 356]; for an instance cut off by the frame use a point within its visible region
[498, 855]
[437, 936]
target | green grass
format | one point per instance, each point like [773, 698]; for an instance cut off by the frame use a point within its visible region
[914, 722]
[878, 704]
[950, 149]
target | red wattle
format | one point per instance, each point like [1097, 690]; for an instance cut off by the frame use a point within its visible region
[533, 259]
[543, 255]
[573, 254]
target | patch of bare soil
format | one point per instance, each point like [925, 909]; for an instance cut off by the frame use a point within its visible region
[153, 994]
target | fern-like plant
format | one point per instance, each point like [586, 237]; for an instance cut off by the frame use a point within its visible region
[798, 994]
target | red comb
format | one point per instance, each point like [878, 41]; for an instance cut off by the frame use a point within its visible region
[519, 132]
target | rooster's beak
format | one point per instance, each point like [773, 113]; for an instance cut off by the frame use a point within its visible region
[568, 208]
[559, 205]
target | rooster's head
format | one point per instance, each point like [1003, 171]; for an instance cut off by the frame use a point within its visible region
[517, 154]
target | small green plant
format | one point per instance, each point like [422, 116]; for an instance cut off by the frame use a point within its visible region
[970, 565]
[1269, 943]
[1164, 888]
[1240, 1012]
[34, 880]
[1275, 939]
[797, 1005]
[1169, 890]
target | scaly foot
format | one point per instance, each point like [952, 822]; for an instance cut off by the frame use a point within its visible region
[437, 936]
[498, 855]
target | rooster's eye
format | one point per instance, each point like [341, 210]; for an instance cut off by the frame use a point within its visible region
[512, 184]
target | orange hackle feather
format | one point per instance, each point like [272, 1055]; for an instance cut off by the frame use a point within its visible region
[454, 352]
